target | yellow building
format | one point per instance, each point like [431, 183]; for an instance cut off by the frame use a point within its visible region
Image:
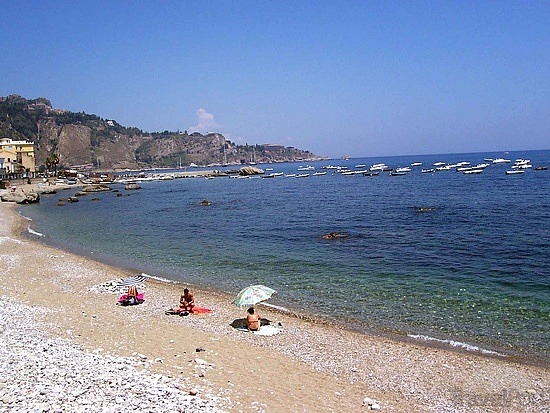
[16, 157]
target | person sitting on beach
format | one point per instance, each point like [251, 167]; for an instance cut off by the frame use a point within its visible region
[253, 320]
[187, 302]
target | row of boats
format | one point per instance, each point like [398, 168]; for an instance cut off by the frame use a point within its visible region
[304, 171]
[519, 166]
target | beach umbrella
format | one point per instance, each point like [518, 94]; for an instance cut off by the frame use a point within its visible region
[131, 281]
[253, 295]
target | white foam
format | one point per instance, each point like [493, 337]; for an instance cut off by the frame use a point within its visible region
[453, 343]
[154, 277]
[278, 307]
[27, 218]
[31, 231]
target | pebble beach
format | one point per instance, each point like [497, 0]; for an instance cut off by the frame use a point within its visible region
[67, 347]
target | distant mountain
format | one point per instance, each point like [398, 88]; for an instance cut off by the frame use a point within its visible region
[83, 139]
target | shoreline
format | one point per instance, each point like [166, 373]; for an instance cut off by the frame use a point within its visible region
[420, 339]
[515, 355]
[308, 366]
[395, 335]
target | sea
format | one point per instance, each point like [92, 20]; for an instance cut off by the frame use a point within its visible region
[443, 257]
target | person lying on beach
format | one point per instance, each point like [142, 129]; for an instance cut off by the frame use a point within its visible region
[131, 297]
[187, 302]
[253, 320]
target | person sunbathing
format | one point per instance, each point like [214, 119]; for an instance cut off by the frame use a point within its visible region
[253, 320]
[131, 297]
[187, 302]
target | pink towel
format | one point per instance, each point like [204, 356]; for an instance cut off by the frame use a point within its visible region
[123, 297]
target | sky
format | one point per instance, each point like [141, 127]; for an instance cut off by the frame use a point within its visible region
[361, 78]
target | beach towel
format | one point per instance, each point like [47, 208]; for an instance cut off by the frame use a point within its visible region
[196, 311]
[267, 330]
[201, 310]
[123, 297]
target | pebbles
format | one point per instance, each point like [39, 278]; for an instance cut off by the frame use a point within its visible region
[52, 374]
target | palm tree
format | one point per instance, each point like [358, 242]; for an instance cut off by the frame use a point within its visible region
[52, 161]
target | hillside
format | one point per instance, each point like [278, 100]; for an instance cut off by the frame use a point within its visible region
[83, 139]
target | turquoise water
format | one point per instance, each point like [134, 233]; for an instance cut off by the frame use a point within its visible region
[473, 268]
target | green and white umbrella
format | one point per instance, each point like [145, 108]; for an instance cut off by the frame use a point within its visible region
[252, 295]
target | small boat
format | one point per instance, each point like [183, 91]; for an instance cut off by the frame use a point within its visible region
[398, 173]
[290, 175]
[405, 169]
[319, 173]
[472, 171]
[416, 164]
[306, 168]
[302, 175]
[361, 165]
[378, 167]
[515, 171]
[540, 168]
[428, 171]
[273, 175]
[522, 166]
[371, 173]
[501, 160]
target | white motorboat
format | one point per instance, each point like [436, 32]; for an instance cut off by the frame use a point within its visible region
[378, 167]
[515, 171]
[404, 169]
[522, 166]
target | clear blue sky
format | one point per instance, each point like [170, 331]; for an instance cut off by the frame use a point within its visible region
[364, 78]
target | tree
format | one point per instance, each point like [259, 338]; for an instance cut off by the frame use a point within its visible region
[52, 161]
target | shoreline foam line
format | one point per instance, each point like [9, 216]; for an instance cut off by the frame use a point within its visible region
[31, 231]
[458, 344]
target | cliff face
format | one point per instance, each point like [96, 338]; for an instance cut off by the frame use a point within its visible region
[80, 139]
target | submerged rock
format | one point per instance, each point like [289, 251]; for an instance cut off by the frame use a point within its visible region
[334, 235]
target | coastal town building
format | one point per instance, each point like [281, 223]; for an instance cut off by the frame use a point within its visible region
[16, 158]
